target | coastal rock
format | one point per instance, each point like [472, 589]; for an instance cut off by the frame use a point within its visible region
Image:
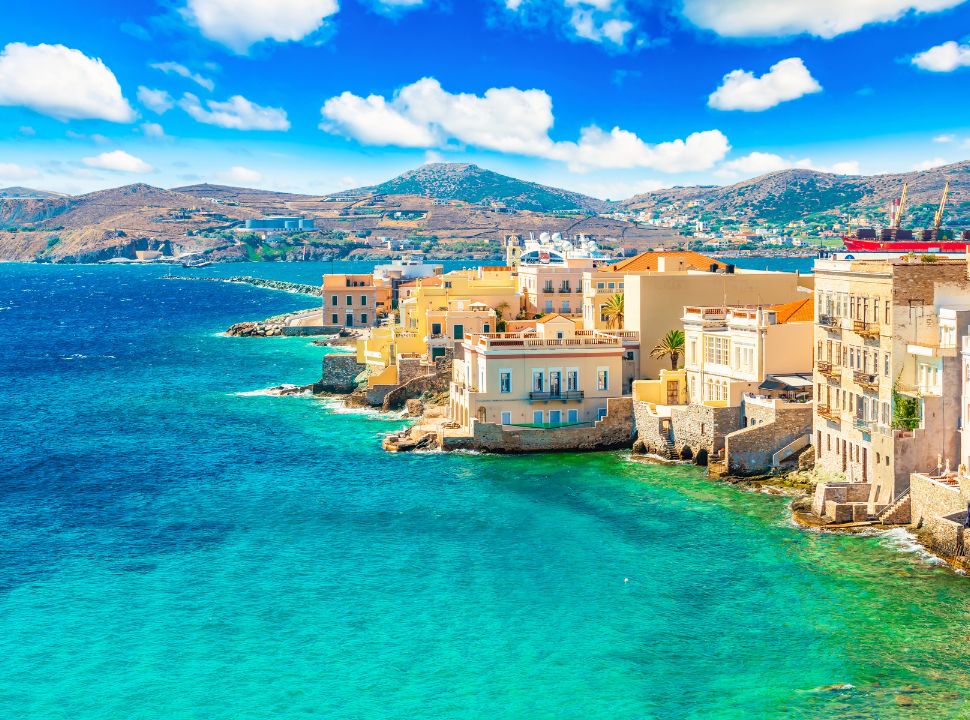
[414, 407]
[640, 447]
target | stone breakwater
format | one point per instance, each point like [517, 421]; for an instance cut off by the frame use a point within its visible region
[281, 285]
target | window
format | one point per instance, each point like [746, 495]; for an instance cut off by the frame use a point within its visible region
[601, 413]
[555, 417]
[572, 379]
[447, 284]
[538, 380]
[603, 317]
[885, 369]
[506, 417]
[537, 417]
[350, 299]
[486, 328]
[548, 306]
[565, 307]
[716, 350]
[350, 320]
[333, 300]
[363, 299]
[505, 381]
[363, 318]
[600, 286]
[459, 333]
[602, 379]
[334, 319]
[572, 416]
[435, 328]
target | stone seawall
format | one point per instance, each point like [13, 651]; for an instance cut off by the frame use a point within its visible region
[696, 432]
[749, 451]
[281, 285]
[340, 372]
[613, 432]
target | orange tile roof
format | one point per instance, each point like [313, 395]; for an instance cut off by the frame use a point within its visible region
[649, 261]
[798, 311]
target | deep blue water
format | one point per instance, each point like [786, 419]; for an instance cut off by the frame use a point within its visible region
[174, 547]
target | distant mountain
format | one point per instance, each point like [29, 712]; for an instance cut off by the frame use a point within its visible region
[22, 193]
[472, 184]
[225, 193]
[790, 195]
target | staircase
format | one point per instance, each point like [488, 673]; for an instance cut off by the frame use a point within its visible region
[796, 445]
[898, 512]
[668, 451]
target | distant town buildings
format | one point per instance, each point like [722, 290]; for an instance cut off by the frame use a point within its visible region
[280, 223]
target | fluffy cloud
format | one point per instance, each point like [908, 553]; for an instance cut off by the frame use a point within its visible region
[948, 138]
[12, 172]
[63, 83]
[423, 114]
[238, 24]
[158, 101]
[236, 113]
[119, 161]
[943, 58]
[620, 149]
[930, 164]
[602, 21]
[242, 175]
[153, 130]
[787, 79]
[824, 18]
[760, 163]
[174, 68]
[509, 120]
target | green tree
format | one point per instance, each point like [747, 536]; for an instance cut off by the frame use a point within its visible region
[613, 311]
[672, 346]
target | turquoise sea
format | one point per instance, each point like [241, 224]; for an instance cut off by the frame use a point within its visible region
[173, 546]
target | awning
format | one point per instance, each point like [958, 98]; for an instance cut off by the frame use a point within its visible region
[786, 382]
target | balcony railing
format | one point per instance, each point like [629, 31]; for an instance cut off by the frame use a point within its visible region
[826, 368]
[829, 321]
[868, 330]
[869, 381]
[828, 413]
[862, 424]
[543, 396]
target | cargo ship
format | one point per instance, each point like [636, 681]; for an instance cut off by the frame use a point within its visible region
[894, 239]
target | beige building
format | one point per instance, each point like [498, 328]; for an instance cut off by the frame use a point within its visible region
[553, 288]
[556, 376]
[354, 301]
[888, 376]
[655, 299]
[733, 351]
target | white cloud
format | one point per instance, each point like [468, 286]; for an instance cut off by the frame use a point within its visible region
[761, 163]
[238, 24]
[824, 18]
[242, 175]
[174, 68]
[373, 121]
[12, 172]
[119, 161]
[508, 120]
[158, 101]
[946, 138]
[787, 79]
[620, 148]
[930, 164]
[601, 21]
[433, 156]
[63, 83]
[237, 113]
[943, 58]
[153, 130]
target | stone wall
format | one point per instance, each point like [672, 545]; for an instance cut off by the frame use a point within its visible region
[340, 373]
[942, 512]
[416, 387]
[698, 431]
[615, 431]
[749, 451]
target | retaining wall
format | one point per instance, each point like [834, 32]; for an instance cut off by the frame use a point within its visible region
[339, 374]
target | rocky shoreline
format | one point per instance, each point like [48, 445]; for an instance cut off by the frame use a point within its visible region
[281, 285]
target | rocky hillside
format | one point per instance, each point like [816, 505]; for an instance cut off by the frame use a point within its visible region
[472, 184]
[23, 193]
[789, 195]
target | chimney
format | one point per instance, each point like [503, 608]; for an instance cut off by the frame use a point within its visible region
[729, 269]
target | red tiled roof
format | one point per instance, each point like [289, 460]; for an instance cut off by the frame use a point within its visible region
[650, 261]
[797, 311]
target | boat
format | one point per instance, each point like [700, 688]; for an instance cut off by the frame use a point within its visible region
[895, 239]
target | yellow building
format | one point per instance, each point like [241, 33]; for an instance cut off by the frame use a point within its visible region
[553, 377]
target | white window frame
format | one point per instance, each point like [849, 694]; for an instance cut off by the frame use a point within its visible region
[501, 372]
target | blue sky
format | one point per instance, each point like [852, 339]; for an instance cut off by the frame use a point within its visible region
[608, 97]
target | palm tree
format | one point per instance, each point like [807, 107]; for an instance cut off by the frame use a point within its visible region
[613, 311]
[672, 346]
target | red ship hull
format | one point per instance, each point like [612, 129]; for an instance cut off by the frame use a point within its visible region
[906, 246]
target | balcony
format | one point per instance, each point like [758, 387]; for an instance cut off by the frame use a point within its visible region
[869, 381]
[828, 413]
[868, 330]
[566, 290]
[862, 424]
[829, 321]
[564, 395]
[826, 368]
